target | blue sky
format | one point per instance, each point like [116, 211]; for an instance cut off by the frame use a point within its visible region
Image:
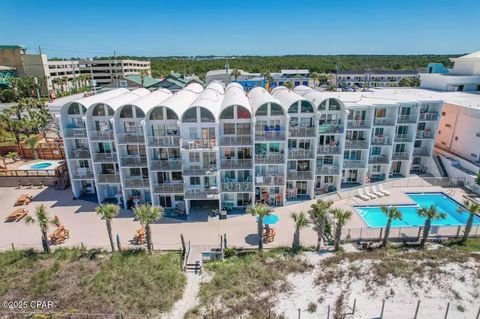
[66, 28]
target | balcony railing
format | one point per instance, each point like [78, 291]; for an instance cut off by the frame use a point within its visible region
[328, 170]
[270, 180]
[424, 134]
[236, 187]
[168, 188]
[108, 178]
[200, 170]
[75, 132]
[101, 136]
[136, 182]
[236, 163]
[399, 138]
[328, 150]
[300, 176]
[378, 159]
[430, 116]
[270, 136]
[163, 141]
[199, 144]
[166, 165]
[421, 152]
[360, 124]
[330, 128]
[398, 156]
[193, 193]
[381, 140]
[79, 154]
[236, 140]
[407, 119]
[105, 157]
[383, 121]
[356, 144]
[270, 159]
[354, 163]
[133, 161]
[301, 132]
[301, 154]
[82, 174]
[131, 138]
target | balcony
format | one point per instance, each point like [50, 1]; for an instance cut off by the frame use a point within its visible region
[330, 129]
[422, 152]
[132, 138]
[82, 173]
[301, 154]
[270, 159]
[101, 136]
[407, 119]
[79, 154]
[163, 141]
[358, 145]
[378, 159]
[236, 140]
[400, 156]
[75, 133]
[270, 136]
[301, 132]
[199, 144]
[136, 182]
[328, 150]
[108, 178]
[429, 116]
[168, 188]
[358, 124]
[354, 163]
[200, 170]
[424, 135]
[237, 187]
[270, 180]
[300, 175]
[105, 157]
[133, 161]
[166, 165]
[381, 140]
[236, 163]
[403, 138]
[194, 193]
[383, 121]
[328, 170]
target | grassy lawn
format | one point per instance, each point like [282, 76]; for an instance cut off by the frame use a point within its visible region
[472, 245]
[245, 284]
[86, 281]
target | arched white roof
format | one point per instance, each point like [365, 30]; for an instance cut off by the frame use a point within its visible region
[286, 96]
[148, 102]
[259, 96]
[317, 97]
[211, 98]
[301, 89]
[116, 102]
[90, 100]
[235, 95]
[180, 101]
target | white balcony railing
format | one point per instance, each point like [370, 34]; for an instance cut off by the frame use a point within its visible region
[407, 119]
[105, 157]
[236, 140]
[82, 173]
[398, 156]
[236, 187]
[421, 151]
[356, 144]
[79, 154]
[300, 176]
[328, 170]
[381, 140]
[328, 150]
[270, 159]
[301, 132]
[75, 132]
[194, 193]
[168, 188]
[108, 178]
[236, 163]
[270, 136]
[166, 165]
[163, 141]
[384, 121]
[424, 134]
[133, 161]
[200, 170]
[131, 138]
[270, 180]
[403, 138]
[354, 163]
[360, 124]
[199, 144]
[136, 182]
[101, 136]
[301, 154]
[378, 159]
[429, 116]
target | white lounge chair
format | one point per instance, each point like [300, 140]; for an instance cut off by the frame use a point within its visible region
[383, 191]
[377, 192]
[361, 195]
[367, 192]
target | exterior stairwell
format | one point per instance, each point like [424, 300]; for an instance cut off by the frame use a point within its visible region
[62, 181]
[441, 168]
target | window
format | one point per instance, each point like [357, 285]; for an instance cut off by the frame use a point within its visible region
[376, 151]
[130, 127]
[229, 128]
[99, 110]
[448, 125]
[323, 106]
[333, 105]
[381, 112]
[227, 114]
[177, 176]
[194, 180]
[293, 108]
[190, 116]
[262, 111]
[127, 112]
[171, 115]
[275, 109]
[206, 116]
[444, 113]
[242, 113]
[157, 114]
[306, 107]
[74, 108]
[194, 157]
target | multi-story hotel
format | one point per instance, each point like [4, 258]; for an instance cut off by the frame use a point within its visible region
[219, 147]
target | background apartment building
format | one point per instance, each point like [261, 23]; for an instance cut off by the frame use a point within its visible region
[373, 78]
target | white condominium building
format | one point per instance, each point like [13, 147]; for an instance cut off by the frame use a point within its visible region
[221, 148]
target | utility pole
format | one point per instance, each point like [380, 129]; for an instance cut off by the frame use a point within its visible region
[337, 67]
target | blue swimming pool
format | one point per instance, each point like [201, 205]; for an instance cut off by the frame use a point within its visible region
[40, 166]
[373, 216]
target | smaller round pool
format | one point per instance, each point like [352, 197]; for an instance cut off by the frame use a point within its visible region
[41, 166]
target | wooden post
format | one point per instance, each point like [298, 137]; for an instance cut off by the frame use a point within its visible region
[119, 247]
[478, 313]
[383, 308]
[446, 311]
[416, 310]
[184, 249]
[328, 312]
[225, 240]
[13, 247]
[381, 233]
[298, 313]
[354, 305]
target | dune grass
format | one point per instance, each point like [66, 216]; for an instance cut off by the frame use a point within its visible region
[77, 280]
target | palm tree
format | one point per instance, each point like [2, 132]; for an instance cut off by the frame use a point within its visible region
[288, 85]
[107, 212]
[12, 156]
[301, 221]
[318, 217]
[392, 214]
[315, 76]
[32, 142]
[429, 213]
[147, 215]
[472, 208]
[342, 217]
[236, 73]
[43, 221]
[260, 211]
